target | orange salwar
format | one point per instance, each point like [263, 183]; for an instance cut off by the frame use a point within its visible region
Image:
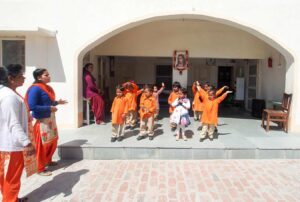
[44, 152]
[10, 182]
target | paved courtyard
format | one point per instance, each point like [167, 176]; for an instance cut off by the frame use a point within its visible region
[158, 180]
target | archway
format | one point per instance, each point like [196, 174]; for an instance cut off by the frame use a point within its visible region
[138, 22]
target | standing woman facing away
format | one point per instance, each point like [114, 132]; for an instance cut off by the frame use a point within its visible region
[14, 137]
[91, 92]
[40, 98]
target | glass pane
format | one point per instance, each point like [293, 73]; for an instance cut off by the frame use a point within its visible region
[252, 93]
[252, 70]
[13, 52]
[252, 81]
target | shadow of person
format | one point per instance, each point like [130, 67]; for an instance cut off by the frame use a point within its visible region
[157, 125]
[131, 133]
[69, 153]
[216, 135]
[189, 134]
[158, 132]
[60, 184]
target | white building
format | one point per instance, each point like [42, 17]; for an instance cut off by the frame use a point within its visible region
[135, 39]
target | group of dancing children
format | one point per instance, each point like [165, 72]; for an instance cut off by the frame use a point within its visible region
[205, 106]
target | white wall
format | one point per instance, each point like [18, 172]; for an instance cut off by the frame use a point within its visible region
[201, 38]
[82, 25]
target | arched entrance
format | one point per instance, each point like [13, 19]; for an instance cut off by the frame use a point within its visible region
[284, 58]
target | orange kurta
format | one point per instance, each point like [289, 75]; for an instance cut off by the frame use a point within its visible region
[118, 108]
[131, 101]
[210, 111]
[197, 104]
[172, 97]
[148, 107]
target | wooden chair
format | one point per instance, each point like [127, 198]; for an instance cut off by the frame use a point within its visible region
[280, 116]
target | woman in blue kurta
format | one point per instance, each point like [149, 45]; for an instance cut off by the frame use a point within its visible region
[40, 98]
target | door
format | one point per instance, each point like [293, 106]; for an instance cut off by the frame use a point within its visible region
[251, 84]
[164, 74]
[224, 76]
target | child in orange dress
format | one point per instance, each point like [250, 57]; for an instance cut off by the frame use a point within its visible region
[172, 97]
[130, 95]
[118, 110]
[147, 111]
[197, 103]
[209, 118]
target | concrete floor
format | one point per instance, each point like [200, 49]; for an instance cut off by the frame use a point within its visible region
[239, 136]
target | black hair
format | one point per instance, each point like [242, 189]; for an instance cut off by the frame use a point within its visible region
[14, 70]
[149, 87]
[37, 73]
[121, 88]
[176, 84]
[3, 76]
[183, 90]
[87, 65]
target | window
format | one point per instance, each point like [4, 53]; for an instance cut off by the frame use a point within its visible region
[12, 52]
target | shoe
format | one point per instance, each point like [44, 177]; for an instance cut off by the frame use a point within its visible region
[140, 137]
[45, 173]
[52, 163]
[173, 129]
[113, 139]
[201, 139]
[216, 130]
[195, 119]
[24, 199]
[177, 137]
[120, 138]
[211, 138]
[184, 138]
[150, 137]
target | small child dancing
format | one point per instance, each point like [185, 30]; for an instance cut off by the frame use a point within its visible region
[180, 116]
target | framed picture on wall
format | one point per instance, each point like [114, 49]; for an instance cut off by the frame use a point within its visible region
[181, 60]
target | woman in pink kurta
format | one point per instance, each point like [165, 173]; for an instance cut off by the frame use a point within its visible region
[91, 92]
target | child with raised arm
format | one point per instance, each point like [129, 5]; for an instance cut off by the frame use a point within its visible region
[147, 110]
[131, 94]
[180, 116]
[197, 103]
[156, 94]
[118, 110]
[209, 117]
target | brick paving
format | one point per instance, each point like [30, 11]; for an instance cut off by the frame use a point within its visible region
[168, 180]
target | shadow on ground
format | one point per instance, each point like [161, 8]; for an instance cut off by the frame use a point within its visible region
[60, 184]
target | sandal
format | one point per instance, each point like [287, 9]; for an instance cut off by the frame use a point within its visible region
[45, 173]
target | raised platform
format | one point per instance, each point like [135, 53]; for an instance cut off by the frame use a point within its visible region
[238, 138]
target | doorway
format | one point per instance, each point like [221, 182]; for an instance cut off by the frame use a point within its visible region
[224, 76]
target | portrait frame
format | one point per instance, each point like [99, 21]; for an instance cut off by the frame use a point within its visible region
[184, 63]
